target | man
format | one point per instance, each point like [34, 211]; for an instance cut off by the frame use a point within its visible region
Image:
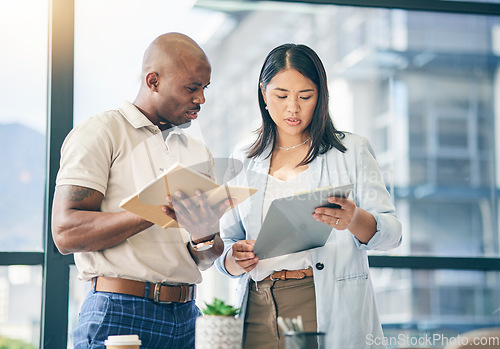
[143, 277]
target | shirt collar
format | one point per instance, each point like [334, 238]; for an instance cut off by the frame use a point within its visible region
[176, 132]
[137, 119]
[134, 115]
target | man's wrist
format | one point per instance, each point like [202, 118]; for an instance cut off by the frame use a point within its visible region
[202, 245]
[199, 241]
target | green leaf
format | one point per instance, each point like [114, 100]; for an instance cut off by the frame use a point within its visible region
[218, 307]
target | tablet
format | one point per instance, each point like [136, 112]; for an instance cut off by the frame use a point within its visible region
[289, 225]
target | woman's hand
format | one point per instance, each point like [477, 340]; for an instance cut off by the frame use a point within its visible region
[338, 218]
[241, 258]
[360, 223]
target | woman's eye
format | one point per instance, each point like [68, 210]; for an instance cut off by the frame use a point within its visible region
[306, 98]
[281, 97]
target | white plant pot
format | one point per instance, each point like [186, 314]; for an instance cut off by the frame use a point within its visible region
[218, 332]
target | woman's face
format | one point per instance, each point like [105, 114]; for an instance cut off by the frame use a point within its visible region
[291, 99]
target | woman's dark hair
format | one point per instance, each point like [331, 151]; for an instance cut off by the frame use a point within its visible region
[323, 134]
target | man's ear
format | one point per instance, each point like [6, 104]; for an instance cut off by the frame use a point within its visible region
[152, 81]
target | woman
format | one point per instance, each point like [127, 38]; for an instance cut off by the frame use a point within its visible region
[298, 148]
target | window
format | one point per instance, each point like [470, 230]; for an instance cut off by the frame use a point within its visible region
[23, 115]
[435, 303]
[20, 303]
[22, 123]
[421, 95]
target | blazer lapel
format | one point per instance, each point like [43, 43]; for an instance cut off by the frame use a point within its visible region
[315, 172]
[258, 180]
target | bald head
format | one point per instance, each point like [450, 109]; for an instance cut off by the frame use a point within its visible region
[168, 51]
[175, 71]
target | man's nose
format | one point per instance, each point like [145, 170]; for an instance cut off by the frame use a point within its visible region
[199, 98]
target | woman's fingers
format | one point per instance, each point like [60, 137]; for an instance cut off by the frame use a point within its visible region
[243, 254]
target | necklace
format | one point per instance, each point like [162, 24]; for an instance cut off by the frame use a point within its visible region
[295, 146]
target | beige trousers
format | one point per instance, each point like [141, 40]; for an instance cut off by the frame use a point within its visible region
[270, 299]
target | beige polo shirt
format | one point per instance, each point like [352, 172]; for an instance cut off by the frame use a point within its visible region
[118, 152]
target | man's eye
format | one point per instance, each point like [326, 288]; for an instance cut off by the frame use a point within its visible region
[192, 89]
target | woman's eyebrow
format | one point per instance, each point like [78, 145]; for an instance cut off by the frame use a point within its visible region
[285, 90]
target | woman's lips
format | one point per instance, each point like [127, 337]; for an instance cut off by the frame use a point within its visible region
[293, 121]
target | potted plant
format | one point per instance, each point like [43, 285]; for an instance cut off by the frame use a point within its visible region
[218, 327]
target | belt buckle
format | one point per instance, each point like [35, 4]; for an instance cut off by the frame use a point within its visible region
[156, 294]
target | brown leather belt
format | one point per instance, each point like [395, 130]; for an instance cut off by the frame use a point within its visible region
[290, 274]
[158, 292]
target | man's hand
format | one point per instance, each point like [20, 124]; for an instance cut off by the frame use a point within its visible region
[200, 219]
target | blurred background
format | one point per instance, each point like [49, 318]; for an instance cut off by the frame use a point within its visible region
[422, 84]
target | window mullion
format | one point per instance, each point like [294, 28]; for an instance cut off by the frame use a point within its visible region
[54, 318]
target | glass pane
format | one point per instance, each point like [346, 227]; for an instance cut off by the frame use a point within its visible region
[98, 29]
[77, 292]
[23, 117]
[20, 306]
[420, 86]
[121, 41]
[434, 306]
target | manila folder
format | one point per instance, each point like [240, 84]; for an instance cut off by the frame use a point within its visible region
[148, 201]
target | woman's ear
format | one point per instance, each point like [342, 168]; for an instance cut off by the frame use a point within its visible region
[152, 81]
[263, 91]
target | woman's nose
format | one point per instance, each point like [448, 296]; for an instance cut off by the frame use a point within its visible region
[293, 105]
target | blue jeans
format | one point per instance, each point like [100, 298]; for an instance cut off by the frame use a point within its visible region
[157, 325]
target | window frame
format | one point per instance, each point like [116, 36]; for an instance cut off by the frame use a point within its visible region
[55, 287]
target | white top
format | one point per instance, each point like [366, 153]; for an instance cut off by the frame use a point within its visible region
[276, 189]
[118, 152]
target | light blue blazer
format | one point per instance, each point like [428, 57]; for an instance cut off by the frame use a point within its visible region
[345, 302]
